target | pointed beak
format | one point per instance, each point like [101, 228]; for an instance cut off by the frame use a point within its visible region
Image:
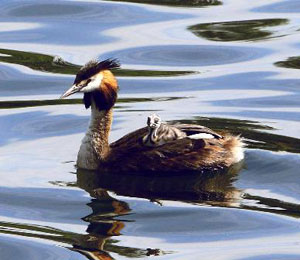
[70, 91]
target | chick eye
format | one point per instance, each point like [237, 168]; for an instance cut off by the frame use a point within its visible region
[156, 120]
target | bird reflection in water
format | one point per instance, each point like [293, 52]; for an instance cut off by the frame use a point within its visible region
[98, 243]
[209, 187]
[214, 188]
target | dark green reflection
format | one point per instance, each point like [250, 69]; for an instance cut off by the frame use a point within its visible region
[273, 206]
[250, 30]
[38, 61]
[251, 131]
[183, 3]
[291, 63]
[47, 63]
[50, 102]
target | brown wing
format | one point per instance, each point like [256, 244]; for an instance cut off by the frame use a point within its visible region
[130, 140]
[129, 153]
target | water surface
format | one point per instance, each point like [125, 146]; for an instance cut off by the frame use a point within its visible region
[237, 70]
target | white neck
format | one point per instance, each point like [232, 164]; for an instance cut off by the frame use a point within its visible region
[95, 147]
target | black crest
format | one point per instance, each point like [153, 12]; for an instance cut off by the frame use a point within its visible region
[103, 101]
[94, 66]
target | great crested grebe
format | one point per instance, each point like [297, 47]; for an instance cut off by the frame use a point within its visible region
[196, 148]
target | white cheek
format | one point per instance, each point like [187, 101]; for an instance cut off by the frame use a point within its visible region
[94, 84]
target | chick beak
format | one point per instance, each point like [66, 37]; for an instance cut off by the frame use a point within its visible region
[70, 91]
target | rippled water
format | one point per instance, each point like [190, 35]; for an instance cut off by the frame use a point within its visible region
[225, 64]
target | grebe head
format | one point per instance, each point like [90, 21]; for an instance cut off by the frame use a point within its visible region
[153, 121]
[97, 83]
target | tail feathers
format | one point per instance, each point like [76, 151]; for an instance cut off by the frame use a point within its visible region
[235, 145]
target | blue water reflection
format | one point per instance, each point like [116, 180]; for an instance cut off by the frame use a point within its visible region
[287, 6]
[27, 250]
[73, 23]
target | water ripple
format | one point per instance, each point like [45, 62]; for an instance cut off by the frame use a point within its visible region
[187, 55]
[289, 6]
[74, 23]
[38, 10]
[33, 250]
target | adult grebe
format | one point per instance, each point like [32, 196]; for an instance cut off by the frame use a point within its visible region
[201, 149]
